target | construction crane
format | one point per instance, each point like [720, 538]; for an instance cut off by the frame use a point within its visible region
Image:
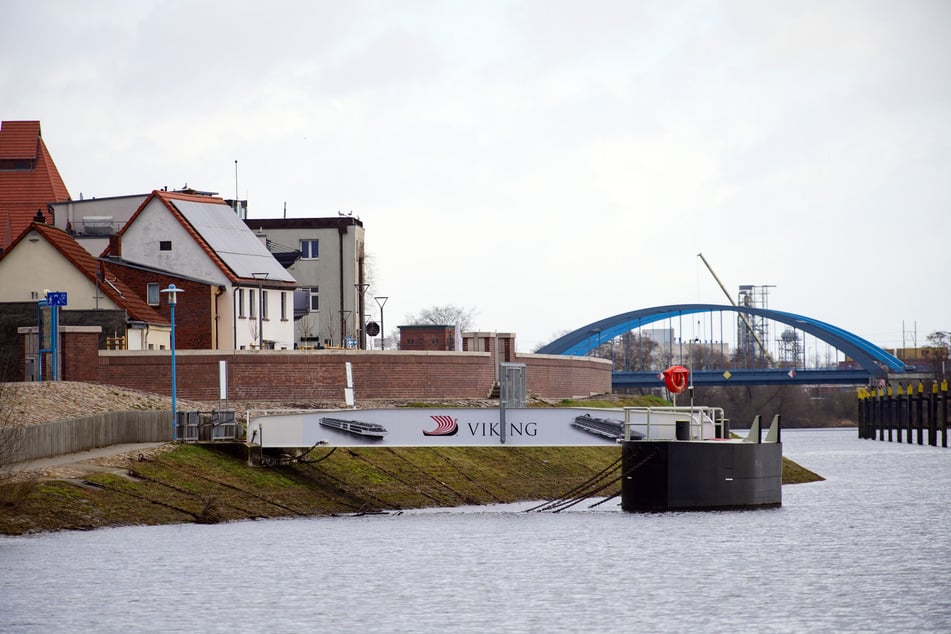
[743, 316]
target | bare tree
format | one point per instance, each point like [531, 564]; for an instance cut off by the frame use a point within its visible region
[448, 315]
[939, 346]
[10, 432]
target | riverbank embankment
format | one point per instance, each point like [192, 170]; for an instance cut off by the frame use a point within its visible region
[175, 483]
[199, 484]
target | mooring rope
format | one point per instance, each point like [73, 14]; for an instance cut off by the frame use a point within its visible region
[545, 506]
[623, 475]
[321, 459]
[410, 486]
[591, 488]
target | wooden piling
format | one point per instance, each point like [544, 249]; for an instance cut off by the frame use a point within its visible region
[909, 415]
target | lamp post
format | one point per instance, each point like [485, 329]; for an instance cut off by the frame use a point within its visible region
[362, 287]
[260, 277]
[172, 300]
[381, 301]
[344, 318]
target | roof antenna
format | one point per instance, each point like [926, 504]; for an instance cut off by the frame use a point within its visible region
[285, 210]
[237, 208]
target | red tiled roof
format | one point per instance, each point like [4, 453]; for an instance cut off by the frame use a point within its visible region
[24, 191]
[18, 139]
[91, 267]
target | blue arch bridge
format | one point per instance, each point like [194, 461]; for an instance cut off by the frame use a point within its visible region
[730, 345]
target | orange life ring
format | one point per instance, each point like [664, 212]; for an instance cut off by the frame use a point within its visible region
[676, 378]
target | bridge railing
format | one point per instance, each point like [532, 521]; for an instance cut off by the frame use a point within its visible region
[696, 422]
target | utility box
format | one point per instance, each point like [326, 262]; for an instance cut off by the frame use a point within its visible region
[512, 378]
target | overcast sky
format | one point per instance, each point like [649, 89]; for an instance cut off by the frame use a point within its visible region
[546, 163]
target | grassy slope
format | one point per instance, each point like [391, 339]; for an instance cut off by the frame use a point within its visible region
[204, 484]
[200, 484]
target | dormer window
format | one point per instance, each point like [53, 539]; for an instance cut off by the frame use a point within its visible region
[17, 165]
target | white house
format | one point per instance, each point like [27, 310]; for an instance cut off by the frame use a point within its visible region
[203, 238]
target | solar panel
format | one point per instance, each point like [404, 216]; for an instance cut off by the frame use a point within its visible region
[230, 238]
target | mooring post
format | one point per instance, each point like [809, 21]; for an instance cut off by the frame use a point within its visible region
[880, 407]
[910, 408]
[943, 409]
[917, 417]
[933, 416]
[944, 414]
[890, 413]
[900, 411]
[860, 414]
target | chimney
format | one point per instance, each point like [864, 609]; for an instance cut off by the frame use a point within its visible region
[39, 218]
[115, 245]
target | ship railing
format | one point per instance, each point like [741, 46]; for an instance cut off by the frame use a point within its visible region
[675, 422]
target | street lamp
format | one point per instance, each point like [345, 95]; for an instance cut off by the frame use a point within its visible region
[260, 277]
[344, 318]
[172, 300]
[381, 301]
[362, 287]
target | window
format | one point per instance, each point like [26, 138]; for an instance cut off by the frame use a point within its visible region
[309, 249]
[241, 303]
[314, 299]
[152, 293]
[283, 305]
[251, 312]
[165, 245]
[263, 304]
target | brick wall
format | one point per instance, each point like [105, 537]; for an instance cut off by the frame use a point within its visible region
[77, 362]
[556, 376]
[288, 375]
[193, 328]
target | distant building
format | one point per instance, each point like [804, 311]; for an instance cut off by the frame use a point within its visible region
[93, 220]
[29, 180]
[327, 258]
[427, 337]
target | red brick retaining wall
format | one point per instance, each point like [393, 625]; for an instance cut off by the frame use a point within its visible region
[287, 375]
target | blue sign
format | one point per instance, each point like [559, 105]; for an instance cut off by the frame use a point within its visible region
[56, 299]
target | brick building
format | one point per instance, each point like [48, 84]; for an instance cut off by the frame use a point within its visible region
[427, 337]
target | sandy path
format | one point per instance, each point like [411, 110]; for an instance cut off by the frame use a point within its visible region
[73, 464]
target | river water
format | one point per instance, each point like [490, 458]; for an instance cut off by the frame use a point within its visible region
[869, 549]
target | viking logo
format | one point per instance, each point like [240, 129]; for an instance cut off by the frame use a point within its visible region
[445, 426]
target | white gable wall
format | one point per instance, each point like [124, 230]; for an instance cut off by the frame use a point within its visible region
[142, 239]
[33, 267]
[141, 244]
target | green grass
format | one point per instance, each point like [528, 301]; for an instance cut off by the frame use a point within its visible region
[194, 483]
[619, 401]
